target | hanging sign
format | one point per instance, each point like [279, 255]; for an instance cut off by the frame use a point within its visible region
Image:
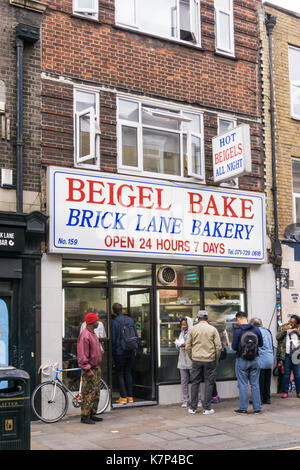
[96, 213]
[232, 153]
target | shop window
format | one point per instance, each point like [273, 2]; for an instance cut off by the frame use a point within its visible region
[172, 19]
[294, 68]
[85, 273]
[224, 278]
[296, 189]
[160, 141]
[131, 274]
[87, 8]
[87, 130]
[224, 27]
[177, 276]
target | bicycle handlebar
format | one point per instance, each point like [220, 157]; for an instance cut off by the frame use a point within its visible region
[47, 368]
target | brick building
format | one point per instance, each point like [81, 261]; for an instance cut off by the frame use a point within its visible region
[22, 224]
[285, 39]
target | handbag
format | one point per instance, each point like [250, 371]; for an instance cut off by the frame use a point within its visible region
[223, 353]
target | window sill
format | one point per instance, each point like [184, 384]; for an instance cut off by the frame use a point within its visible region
[85, 18]
[162, 38]
[225, 56]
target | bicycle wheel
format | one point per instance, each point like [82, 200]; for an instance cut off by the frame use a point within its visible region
[52, 399]
[104, 397]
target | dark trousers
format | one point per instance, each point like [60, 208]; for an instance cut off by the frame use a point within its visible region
[265, 384]
[124, 367]
[202, 371]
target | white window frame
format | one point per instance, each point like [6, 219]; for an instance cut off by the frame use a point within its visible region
[219, 48]
[94, 131]
[293, 84]
[139, 126]
[295, 195]
[234, 182]
[86, 12]
[195, 23]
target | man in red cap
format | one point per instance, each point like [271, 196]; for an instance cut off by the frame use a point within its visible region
[89, 358]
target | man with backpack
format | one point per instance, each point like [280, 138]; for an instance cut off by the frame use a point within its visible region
[246, 341]
[124, 345]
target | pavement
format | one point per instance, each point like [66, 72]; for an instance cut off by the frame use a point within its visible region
[171, 427]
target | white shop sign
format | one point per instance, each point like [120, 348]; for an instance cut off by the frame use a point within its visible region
[96, 213]
[232, 153]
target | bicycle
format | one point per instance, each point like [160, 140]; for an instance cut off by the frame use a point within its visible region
[51, 397]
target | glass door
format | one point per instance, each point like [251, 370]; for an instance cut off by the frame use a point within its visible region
[4, 335]
[140, 308]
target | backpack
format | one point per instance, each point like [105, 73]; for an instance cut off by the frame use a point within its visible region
[248, 345]
[129, 340]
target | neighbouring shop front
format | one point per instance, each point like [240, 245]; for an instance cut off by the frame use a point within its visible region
[163, 252]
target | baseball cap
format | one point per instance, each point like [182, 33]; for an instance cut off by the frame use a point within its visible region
[202, 314]
[91, 318]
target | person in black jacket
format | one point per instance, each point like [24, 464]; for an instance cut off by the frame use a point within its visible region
[124, 360]
[247, 370]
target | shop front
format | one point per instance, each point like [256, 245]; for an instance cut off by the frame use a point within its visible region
[163, 252]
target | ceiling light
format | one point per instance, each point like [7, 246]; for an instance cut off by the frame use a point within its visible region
[78, 282]
[136, 271]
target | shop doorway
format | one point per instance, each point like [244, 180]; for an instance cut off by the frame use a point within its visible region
[4, 333]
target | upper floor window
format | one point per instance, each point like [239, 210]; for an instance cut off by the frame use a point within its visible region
[224, 27]
[173, 19]
[160, 140]
[88, 8]
[294, 66]
[296, 189]
[226, 124]
[86, 126]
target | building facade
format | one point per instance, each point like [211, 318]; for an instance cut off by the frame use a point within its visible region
[281, 74]
[22, 224]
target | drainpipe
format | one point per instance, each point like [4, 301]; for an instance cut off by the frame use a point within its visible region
[24, 35]
[270, 22]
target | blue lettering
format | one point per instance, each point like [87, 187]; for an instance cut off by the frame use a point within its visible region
[138, 224]
[238, 230]
[228, 230]
[74, 214]
[216, 229]
[196, 227]
[177, 225]
[119, 216]
[249, 229]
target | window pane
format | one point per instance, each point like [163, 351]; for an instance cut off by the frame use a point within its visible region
[87, 273]
[84, 135]
[84, 100]
[223, 277]
[224, 31]
[161, 151]
[128, 110]
[296, 176]
[296, 99]
[86, 4]
[196, 155]
[184, 21]
[223, 306]
[132, 274]
[225, 126]
[184, 276]
[125, 11]
[129, 146]
[294, 62]
[224, 4]
[157, 17]
[157, 121]
[194, 125]
[297, 209]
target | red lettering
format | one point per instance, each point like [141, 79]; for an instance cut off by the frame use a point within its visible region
[159, 201]
[211, 205]
[119, 196]
[246, 208]
[195, 199]
[143, 196]
[72, 189]
[92, 191]
[227, 206]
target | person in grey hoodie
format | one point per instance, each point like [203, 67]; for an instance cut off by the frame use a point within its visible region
[266, 361]
[184, 363]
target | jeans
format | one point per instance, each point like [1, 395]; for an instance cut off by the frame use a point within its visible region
[184, 379]
[248, 371]
[288, 368]
[124, 366]
[200, 370]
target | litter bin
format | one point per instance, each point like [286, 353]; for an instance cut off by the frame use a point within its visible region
[14, 409]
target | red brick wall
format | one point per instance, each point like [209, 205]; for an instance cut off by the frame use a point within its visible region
[100, 53]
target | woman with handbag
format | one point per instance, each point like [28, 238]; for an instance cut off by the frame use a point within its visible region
[288, 341]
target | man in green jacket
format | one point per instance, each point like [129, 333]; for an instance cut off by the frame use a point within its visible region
[288, 340]
[204, 349]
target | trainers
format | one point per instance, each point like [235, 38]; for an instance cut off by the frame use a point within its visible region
[129, 400]
[184, 405]
[200, 404]
[122, 401]
[193, 412]
[208, 412]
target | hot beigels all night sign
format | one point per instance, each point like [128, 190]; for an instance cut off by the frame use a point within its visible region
[96, 213]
